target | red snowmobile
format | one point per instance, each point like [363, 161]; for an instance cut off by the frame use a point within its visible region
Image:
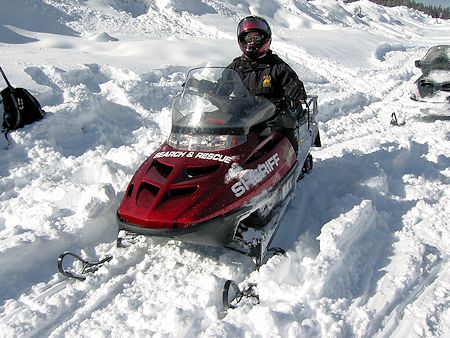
[224, 177]
[227, 171]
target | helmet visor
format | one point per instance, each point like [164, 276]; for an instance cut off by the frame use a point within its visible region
[252, 37]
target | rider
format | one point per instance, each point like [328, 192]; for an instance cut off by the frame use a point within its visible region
[263, 72]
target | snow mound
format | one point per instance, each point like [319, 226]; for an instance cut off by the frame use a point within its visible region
[102, 37]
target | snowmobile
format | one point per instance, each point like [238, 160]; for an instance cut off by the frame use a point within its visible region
[434, 83]
[225, 175]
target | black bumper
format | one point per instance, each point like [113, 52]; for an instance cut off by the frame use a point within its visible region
[217, 232]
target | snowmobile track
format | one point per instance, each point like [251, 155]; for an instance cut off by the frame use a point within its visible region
[392, 316]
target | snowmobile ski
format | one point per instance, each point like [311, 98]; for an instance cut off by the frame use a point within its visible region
[395, 122]
[87, 266]
[232, 294]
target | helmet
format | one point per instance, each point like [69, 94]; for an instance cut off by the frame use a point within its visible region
[256, 48]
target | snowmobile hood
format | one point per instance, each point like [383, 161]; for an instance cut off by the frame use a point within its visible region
[177, 188]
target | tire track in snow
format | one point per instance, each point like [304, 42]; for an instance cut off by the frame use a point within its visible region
[365, 118]
[60, 300]
[59, 306]
[341, 269]
[97, 298]
[193, 279]
[392, 316]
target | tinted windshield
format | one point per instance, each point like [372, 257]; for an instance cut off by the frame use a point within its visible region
[215, 101]
[437, 58]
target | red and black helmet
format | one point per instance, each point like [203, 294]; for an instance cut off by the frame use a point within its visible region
[254, 24]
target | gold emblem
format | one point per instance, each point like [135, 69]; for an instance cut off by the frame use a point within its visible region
[267, 81]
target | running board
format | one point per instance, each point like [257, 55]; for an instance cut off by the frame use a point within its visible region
[255, 242]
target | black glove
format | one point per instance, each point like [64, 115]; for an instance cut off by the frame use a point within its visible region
[283, 120]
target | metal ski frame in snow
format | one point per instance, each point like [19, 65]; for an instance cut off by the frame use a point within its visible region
[232, 294]
[395, 121]
[87, 266]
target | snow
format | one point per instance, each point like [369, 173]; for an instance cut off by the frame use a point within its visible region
[439, 76]
[366, 234]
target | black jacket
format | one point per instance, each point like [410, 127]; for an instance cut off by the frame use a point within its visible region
[269, 76]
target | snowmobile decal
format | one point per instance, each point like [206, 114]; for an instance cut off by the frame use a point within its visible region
[171, 154]
[193, 154]
[253, 177]
[214, 157]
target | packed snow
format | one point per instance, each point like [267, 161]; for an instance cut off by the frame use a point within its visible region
[366, 236]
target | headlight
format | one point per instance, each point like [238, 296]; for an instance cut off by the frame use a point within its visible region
[205, 142]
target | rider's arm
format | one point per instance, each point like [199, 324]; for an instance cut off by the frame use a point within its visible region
[293, 88]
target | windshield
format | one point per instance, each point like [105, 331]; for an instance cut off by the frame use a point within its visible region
[437, 58]
[215, 101]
